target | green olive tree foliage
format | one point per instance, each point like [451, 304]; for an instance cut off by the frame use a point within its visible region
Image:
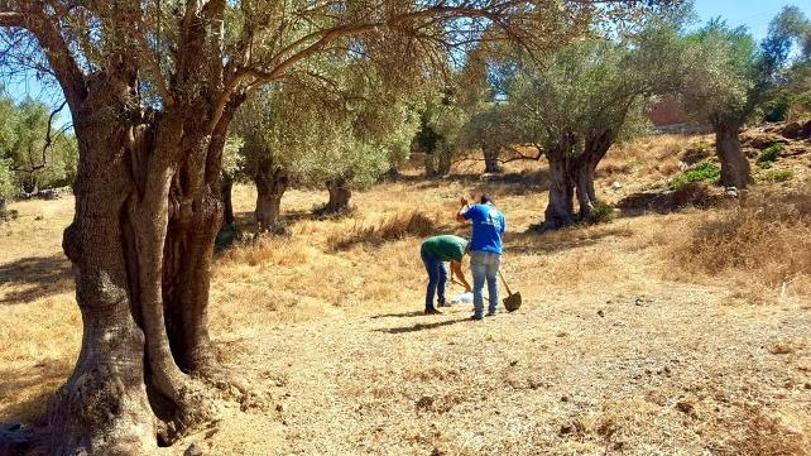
[152, 87]
[8, 189]
[723, 88]
[340, 133]
[787, 50]
[575, 105]
[39, 156]
[440, 125]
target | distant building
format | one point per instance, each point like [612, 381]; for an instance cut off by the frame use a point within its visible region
[668, 116]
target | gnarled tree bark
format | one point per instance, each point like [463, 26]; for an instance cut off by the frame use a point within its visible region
[339, 194]
[147, 211]
[560, 209]
[271, 183]
[491, 153]
[584, 167]
[735, 168]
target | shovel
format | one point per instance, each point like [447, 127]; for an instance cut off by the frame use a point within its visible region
[513, 301]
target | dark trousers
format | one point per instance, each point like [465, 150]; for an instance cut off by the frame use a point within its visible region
[437, 277]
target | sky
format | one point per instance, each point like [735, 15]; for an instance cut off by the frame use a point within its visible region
[754, 14]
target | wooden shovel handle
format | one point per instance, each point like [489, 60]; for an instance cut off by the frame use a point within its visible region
[505, 283]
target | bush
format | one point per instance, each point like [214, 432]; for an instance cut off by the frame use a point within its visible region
[6, 215]
[769, 156]
[777, 175]
[602, 213]
[702, 172]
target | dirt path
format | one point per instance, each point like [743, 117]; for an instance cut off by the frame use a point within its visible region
[675, 373]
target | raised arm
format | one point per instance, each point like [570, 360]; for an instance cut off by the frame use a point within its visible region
[460, 214]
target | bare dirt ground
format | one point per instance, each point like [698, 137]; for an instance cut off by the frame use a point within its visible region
[626, 344]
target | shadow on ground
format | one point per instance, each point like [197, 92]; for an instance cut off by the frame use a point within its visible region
[34, 385]
[34, 278]
[504, 184]
[398, 315]
[421, 326]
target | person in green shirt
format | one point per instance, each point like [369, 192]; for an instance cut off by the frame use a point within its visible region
[435, 252]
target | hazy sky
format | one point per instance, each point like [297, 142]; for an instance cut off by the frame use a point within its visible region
[755, 14]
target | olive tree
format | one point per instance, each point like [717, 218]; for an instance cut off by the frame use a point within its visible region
[789, 31]
[580, 101]
[492, 130]
[152, 87]
[7, 137]
[335, 133]
[729, 79]
[441, 123]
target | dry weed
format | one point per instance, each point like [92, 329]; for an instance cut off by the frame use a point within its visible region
[767, 238]
[395, 228]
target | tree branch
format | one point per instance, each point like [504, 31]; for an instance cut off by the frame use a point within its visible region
[44, 29]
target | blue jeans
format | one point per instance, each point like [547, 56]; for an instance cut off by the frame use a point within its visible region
[437, 277]
[484, 266]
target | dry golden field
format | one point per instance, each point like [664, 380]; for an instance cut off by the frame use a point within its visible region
[675, 333]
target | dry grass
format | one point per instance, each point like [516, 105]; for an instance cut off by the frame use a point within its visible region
[395, 228]
[627, 342]
[765, 241]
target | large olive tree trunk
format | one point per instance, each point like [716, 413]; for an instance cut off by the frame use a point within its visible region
[148, 207]
[491, 153]
[735, 168]
[584, 167]
[339, 194]
[560, 208]
[271, 183]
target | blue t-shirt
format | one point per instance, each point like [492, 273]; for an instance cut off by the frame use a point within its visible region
[488, 228]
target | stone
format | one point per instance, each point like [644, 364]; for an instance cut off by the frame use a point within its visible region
[193, 450]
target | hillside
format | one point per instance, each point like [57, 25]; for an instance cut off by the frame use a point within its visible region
[680, 327]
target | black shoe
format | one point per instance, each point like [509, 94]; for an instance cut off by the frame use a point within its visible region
[476, 318]
[491, 314]
[444, 304]
[432, 312]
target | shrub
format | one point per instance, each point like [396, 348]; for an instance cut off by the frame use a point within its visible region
[777, 175]
[702, 172]
[602, 213]
[7, 215]
[769, 156]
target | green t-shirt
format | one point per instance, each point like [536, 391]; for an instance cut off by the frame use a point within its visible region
[445, 247]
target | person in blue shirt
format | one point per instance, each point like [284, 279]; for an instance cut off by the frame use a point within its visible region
[485, 248]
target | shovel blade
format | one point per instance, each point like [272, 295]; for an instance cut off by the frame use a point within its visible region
[513, 302]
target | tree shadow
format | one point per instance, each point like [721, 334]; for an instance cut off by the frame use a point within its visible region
[502, 184]
[532, 242]
[669, 201]
[421, 326]
[35, 384]
[36, 277]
